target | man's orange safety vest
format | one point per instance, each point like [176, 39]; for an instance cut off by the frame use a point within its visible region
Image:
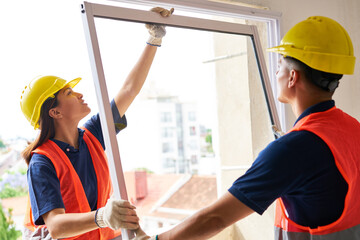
[72, 191]
[341, 133]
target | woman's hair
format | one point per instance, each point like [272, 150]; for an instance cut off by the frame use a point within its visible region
[324, 80]
[47, 128]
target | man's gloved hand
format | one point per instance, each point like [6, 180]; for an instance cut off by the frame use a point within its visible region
[277, 131]
[157, 31]
[141, 235]
[116, 214]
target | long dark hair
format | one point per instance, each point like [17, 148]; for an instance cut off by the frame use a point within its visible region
[47, 128]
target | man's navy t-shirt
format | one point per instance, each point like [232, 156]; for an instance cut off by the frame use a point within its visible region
[300, 168]
[44, 186]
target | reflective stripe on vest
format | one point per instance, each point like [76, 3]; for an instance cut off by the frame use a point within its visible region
[72, 191]
[341, 133]
[347, 234]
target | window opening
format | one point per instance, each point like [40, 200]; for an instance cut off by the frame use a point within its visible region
[214, 76]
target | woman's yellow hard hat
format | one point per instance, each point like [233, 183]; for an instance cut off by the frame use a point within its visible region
[37, 91]
[321, 43]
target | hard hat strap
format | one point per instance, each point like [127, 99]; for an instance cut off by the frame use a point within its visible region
[326, 81]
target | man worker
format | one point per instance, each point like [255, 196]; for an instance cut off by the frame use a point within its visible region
[312, 172]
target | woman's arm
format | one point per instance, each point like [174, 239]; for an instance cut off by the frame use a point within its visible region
[116, 214]
[135, 80]
[63, 225]
[138, 74]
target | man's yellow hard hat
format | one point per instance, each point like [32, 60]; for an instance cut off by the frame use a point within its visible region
[321, 43]
[37, 91]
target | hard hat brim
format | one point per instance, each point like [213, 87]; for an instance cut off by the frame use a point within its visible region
[336, 63]
[73, 82]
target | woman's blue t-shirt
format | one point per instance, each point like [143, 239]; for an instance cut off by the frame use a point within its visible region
[44, 186]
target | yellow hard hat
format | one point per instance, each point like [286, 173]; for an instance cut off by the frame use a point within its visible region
[37, 91]
[321, 43]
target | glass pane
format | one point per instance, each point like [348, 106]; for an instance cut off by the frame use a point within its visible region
[201, 111]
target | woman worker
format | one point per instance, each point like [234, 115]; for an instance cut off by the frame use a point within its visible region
[68, 175]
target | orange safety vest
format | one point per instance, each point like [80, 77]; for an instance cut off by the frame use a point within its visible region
[341, 133]
[71, 188]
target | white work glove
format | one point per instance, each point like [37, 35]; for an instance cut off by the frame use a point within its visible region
[116, 214]
[157, 31]
[141, 235]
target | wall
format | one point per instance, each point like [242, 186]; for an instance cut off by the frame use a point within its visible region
[346, 97]
[243, 123]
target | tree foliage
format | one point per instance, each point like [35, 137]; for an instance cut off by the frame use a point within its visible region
[7, 226]
[2, 144]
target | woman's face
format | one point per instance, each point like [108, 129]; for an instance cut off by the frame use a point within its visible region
[71, 104]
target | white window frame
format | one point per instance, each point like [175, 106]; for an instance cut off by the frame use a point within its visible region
[90, 11]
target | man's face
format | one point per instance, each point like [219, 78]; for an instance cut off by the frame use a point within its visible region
[282, 77]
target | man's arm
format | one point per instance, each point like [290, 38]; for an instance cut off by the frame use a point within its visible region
[210, 220]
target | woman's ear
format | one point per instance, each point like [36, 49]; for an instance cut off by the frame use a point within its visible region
[54, 113]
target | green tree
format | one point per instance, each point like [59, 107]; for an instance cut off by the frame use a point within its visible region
[143, 169]
[2, 144]
[7, 226]
[208, 140]
[9, 192]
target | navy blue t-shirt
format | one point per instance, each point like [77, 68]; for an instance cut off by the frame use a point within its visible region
[300, 168]
[44, 186]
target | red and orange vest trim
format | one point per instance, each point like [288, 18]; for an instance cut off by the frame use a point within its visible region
[71, 188]
[341, 133]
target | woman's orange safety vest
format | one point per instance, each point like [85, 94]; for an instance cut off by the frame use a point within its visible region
[71, 188]
[341, 133]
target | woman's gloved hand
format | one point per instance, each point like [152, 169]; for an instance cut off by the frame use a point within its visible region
[116, 214]
[157, 31]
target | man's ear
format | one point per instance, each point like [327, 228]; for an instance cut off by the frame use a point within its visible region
[54, 113]
[293, 78]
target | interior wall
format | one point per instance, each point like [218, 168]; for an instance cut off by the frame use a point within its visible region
[344, 12]
[293, 11]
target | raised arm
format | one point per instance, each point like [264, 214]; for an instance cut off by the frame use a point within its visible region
[138, 74]
[135, 80]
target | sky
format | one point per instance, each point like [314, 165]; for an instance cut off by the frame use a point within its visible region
[37, 38]
[46, 37]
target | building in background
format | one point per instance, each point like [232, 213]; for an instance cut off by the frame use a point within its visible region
[164, 200]
[171, 138]
[179, 135]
